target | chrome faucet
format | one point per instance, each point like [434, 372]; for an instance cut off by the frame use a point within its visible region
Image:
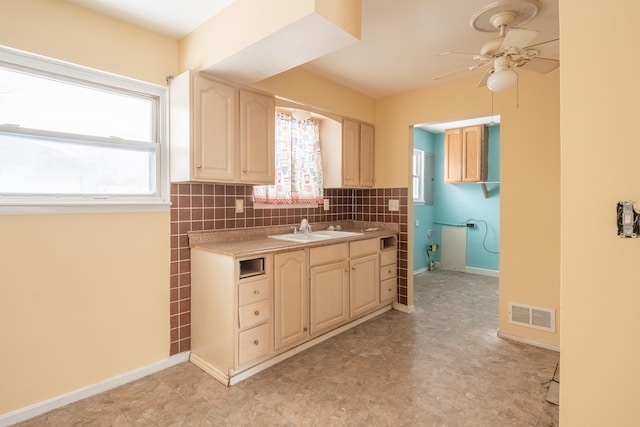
[305, 227]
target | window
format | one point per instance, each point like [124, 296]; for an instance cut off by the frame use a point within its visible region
[71, 135]
[418, 176]
[298, 165]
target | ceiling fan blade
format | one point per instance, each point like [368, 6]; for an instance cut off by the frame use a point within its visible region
[549, 49]
[485, 77]
[542, 65]
[518, 38]
[461, 70]
[476, 56]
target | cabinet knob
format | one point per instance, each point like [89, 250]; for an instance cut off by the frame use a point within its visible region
[346, 270]
[388, 271]
[353, 268]
[304, 329]
[256, 292]
[257, 313]
[244, 170]
[390, 290]
[256, 342]
[199, 166]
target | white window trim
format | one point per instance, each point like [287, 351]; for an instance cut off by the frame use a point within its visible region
[420, 153]
[17, 205]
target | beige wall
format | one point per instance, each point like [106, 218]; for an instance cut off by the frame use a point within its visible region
[82, 297]
[600, 151]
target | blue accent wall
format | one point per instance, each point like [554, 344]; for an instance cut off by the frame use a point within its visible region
[460, 203]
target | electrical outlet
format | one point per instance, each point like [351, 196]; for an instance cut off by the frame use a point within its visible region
[239, 205]
[429, 234]
[394, 205]
[326, 204]
[417, 223]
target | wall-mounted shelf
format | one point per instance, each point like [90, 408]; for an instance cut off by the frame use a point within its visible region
[484, 187]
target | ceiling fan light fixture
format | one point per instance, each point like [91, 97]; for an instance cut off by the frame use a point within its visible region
[502, 80]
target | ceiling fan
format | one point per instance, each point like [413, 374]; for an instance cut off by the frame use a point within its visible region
[511, 48]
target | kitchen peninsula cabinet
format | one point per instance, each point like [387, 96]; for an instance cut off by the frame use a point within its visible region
[465, 154]
[291, 303]
[256, 301]
[220, 132]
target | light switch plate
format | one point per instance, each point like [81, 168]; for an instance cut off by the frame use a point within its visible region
[394, 205]
[239, 205]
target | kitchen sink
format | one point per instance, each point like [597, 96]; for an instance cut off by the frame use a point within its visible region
[315, 236]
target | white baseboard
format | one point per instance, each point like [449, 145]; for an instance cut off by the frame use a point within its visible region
[529, 341]
[420, 270]
[404, 308]
[40, 408]
[482, 271]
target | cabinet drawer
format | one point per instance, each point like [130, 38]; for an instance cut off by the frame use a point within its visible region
[253, 344]
[254, 314]
[388, 290]
[388, 257]
[388, 271]
[249, 293]
[329, 254]
[364, 247]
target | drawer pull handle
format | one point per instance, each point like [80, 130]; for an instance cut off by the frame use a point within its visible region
[256, 342]
[257, 313]
[256, 292]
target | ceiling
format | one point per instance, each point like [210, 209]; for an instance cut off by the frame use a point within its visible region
[399, 43]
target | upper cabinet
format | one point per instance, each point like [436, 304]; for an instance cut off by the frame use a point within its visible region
[465, 154]
[357, 154]
[220, 133]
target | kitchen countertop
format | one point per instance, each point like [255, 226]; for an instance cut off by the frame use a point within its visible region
[254, 241]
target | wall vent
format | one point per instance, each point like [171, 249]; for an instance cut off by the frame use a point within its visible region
[532, 317]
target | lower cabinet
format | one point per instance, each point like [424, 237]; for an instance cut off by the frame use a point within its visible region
[329, 286]
[388, 275]
[364, 276]
[291, 299]
[247, 310]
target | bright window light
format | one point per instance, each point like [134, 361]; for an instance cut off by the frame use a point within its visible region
[71, 134]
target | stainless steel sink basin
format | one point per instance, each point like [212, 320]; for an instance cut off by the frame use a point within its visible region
[314, 236]
[336, 233]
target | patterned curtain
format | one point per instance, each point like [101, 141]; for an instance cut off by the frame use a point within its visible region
[298, 164]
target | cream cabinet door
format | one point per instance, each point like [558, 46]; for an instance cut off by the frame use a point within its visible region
[367, 155]
[214, 133]
[364, 284]
[350, 153]
[257, 138]
[291, 303]
[329, 285]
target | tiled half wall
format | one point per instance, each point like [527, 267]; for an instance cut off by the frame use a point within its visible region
[212, 207]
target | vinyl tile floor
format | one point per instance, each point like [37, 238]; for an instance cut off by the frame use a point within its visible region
[443, 365]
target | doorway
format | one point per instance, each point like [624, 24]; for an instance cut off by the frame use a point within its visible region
[457, 220]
